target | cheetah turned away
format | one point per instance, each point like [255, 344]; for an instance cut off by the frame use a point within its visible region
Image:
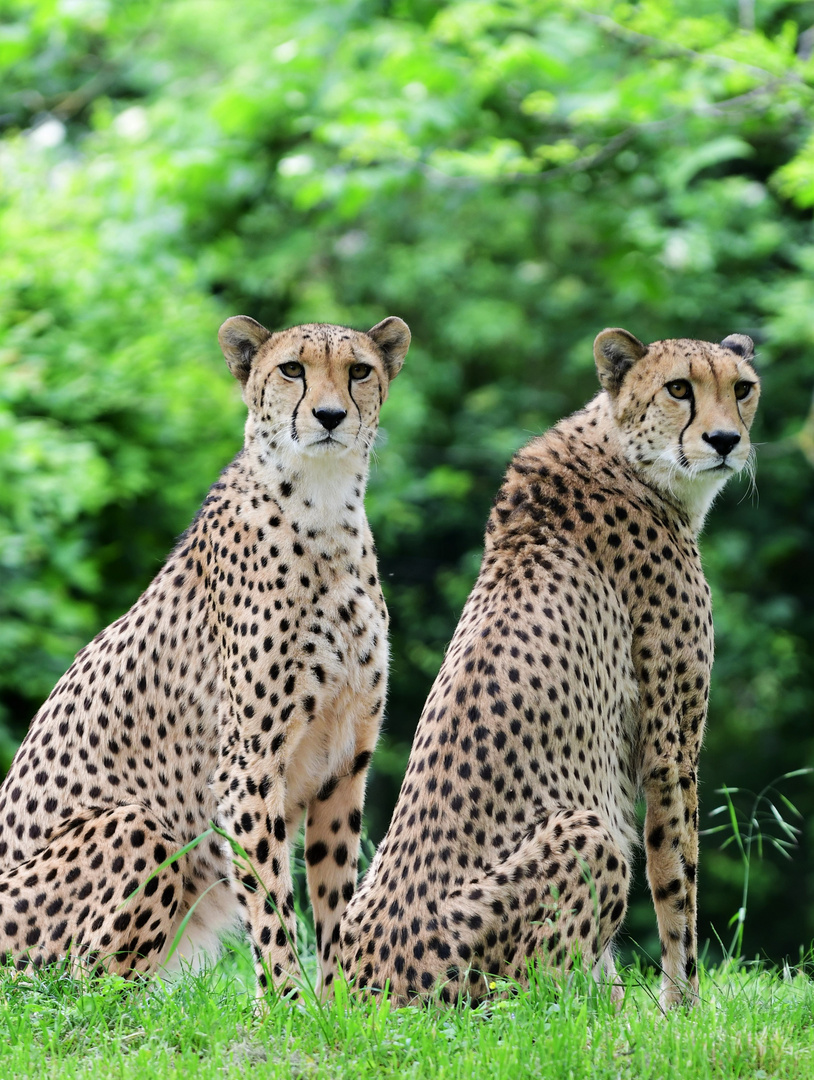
[577, 677]
[245, 687]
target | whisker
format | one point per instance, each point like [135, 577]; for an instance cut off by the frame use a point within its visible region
[750, 468]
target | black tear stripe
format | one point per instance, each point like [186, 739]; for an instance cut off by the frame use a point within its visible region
[685, 461]
[353, 399]
[738, 405]
[294, 435]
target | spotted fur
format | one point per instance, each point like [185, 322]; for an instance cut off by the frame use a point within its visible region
[578, 676]
[245, 687]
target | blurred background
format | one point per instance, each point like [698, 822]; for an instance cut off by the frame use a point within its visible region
[509, 177]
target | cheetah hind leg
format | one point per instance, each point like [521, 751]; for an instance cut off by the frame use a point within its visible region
[80, 897]
[559, 897]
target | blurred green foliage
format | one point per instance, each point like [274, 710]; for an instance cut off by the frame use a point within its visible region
[509, 176]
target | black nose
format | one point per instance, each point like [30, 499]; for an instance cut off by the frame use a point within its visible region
[330, 418]
[722, 441]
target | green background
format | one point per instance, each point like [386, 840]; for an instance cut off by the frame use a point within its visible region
[509, 178]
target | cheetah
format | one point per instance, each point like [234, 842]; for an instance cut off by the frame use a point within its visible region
[244, 688]
[577, 677]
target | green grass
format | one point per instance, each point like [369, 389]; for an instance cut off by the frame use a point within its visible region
[752, 1023]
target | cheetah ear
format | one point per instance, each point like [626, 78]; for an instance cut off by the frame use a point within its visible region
[392, 337]
[240, 337]
[615, 353]
[740, 344]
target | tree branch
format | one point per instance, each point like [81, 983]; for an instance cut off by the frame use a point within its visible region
[672, 48]
[616, 142]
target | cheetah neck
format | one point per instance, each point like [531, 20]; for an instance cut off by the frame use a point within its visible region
[321, 497]
[692, 496]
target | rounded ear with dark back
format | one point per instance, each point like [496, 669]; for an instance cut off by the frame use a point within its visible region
[392, 337]
[740, 344]
[615, 353]
[240, 337]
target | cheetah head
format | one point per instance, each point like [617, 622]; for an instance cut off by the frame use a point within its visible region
[316, 390]
[683, 410]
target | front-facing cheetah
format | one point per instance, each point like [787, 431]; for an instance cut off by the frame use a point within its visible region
[245, 687]
[578, 675]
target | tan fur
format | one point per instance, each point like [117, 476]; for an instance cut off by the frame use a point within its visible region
[245, 687]
[578, 675]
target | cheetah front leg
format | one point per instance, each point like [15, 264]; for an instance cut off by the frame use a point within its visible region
[332, 835]
[263, 885]
[251, 792]
[671, 843]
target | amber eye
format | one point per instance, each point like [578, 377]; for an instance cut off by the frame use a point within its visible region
[743, 389]
[360, 371]
[679, 388]
[293, 369]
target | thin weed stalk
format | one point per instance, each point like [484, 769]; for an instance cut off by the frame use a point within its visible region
[749, 831]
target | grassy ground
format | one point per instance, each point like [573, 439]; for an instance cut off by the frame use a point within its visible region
[752, 1023]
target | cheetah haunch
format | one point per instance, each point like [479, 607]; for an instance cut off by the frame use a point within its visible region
[245, 687]
[578, 675]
